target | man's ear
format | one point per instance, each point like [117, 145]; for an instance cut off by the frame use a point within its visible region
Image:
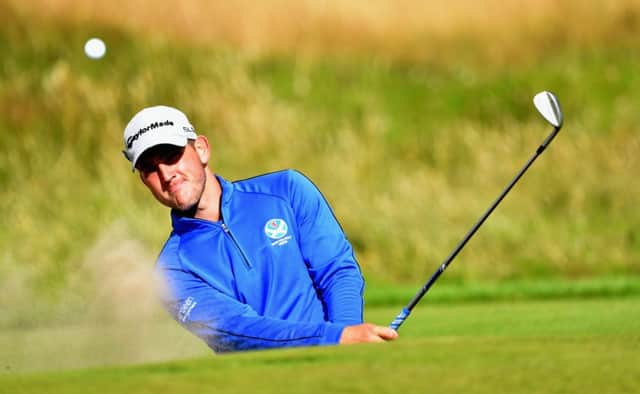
[201, 145]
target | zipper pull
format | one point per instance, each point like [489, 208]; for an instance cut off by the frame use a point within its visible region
[237, 245]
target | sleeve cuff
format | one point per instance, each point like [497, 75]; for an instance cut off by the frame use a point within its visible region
[333, 333]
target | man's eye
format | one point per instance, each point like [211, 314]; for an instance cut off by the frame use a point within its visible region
[172, 156]
[145, 167]
[162, 154]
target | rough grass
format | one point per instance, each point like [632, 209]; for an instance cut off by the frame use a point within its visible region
[486, 31]
[409, 150]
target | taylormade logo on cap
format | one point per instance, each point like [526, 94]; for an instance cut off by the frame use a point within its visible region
[154, 126]
[145, 129]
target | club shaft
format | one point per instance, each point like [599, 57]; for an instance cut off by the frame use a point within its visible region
[414, 301]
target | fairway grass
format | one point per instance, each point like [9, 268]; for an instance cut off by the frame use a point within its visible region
[408, 152]
[567, 346]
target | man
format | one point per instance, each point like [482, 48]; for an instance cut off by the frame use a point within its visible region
[253, 264]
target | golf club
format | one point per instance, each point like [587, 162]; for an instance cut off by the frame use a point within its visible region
[549, 107]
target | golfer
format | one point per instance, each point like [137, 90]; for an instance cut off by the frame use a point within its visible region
[253, 264]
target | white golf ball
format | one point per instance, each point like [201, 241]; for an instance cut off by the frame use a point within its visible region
[95, 48]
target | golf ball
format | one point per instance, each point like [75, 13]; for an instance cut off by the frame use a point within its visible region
[95, 48]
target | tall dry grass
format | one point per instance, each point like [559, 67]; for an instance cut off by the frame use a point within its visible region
[496, 31]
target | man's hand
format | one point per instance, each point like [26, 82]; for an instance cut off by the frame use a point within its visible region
[367, 333]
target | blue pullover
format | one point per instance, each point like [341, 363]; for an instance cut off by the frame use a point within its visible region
[275, 271]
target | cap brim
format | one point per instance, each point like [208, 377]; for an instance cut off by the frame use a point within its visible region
[153, 140]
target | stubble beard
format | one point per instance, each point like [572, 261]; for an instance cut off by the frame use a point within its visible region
[191, 209]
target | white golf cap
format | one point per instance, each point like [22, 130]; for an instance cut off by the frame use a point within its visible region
[154, 126]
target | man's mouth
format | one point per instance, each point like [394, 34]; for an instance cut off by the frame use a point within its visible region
[174, 187]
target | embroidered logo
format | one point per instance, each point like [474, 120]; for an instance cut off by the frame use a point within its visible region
[277, 229]
[185, 309]
[143, 130]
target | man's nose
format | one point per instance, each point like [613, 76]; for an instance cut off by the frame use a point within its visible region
[166, 171]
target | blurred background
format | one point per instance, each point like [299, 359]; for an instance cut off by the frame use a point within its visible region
[410, 116]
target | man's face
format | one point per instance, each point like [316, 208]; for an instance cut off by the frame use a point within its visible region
[175, 175]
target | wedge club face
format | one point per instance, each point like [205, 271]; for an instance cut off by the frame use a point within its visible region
[549, 107]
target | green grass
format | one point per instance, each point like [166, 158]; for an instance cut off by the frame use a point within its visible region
[447, 291]
[587, 346]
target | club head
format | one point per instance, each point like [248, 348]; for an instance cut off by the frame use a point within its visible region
[549, 107]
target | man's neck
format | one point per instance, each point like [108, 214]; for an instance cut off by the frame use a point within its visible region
[209, 206]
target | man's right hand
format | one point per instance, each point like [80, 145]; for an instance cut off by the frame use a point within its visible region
[367, 332]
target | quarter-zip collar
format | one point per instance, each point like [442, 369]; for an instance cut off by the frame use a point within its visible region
[182, 224]
[225, 199]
